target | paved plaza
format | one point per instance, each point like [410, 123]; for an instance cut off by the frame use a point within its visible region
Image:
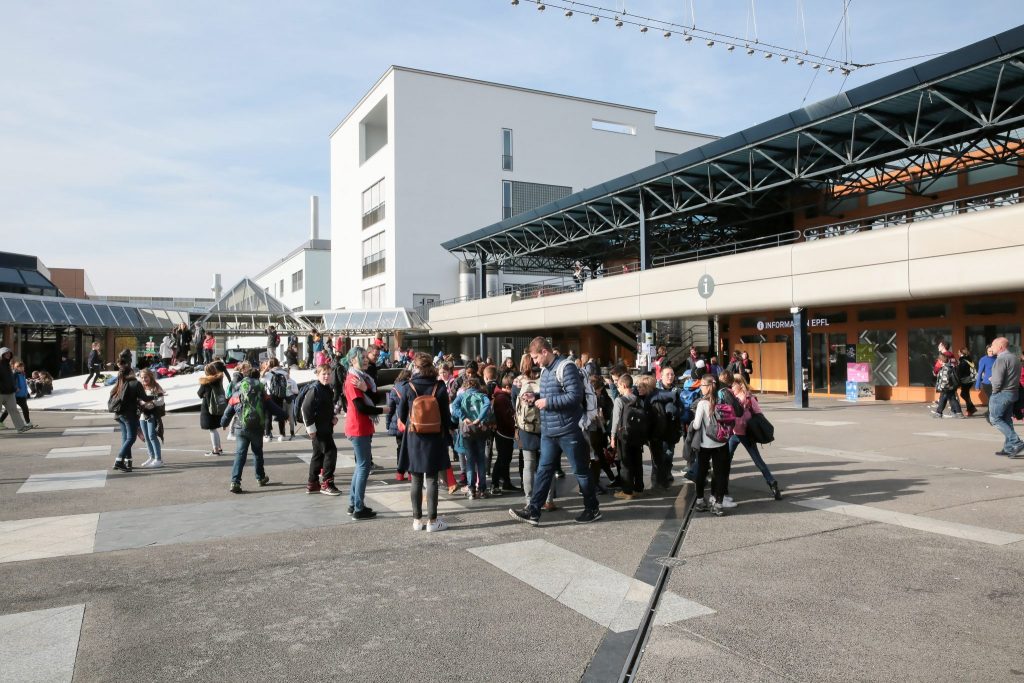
[897, 553]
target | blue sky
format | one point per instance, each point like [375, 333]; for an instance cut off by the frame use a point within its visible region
[155, 143]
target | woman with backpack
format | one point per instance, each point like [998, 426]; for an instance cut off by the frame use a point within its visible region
[710, 439]
[212, 404]
[947, 383]
[276, 380]
[394, 398]
[423, 453]
[152, 414]
[125, 399]
[525, 391]
[967, 371]
[741, 390]
[470, 411]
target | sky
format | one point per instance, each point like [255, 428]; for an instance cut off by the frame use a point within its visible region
[156, 143]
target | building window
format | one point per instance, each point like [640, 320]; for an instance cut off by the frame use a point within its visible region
[281, 288]
[373, 131]
[613, 127]
[980, 336]
[373, 297]
[373, 255]
[922, 350]
[928, 311]
[517, 197]
[881, 345]
[506, 149]
[373, 204]
[296, 281]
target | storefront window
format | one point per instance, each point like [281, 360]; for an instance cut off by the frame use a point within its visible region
[980, 336]
[872, 314]
[991, 308]
[878, 347]
[928, 311]
[922, 350]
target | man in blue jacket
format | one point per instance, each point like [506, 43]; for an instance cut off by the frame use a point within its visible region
[561, 409]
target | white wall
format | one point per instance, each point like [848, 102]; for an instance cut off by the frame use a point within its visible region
[315, 265]
[442, 169]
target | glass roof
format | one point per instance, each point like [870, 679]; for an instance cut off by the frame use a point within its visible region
[24, 309]
[374, 320]
[248, 297]
[247, 306]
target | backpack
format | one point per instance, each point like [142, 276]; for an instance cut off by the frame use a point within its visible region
[278, 384]
[297, 403]
[589, 402]
[425, 415]
[666, 425]
[504, 415]
[527, 414]
[215, 401]
[116, 399]
[723, 420]
[473, 410]
[635, 426]
[968, 371]
[250, 403]
[946, 379]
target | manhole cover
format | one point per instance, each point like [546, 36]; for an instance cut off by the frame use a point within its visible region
[670, 562]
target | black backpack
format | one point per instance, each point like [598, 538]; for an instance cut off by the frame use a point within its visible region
[666, 424]
[636, 423]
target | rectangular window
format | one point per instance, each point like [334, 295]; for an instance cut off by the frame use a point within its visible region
[980, 336]
[373, 297]
[373, 204]
[281, 287]
[373, 255]
[922, 350]
[991, 308]
[984, 174]
[506, 149]
[928, 311]
[872, 314]
[296, 281]
[506, 199]
[613, 127]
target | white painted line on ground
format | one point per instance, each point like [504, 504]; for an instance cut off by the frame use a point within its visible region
[82, 431]
[815, 423]
[599, 593]
[988, 438]
[344, 460]
[32, 539]
[398, 499]
[1016, 476]
[846, 455]
[64, 481]
[40, 645]
[79, 451]
[929, 524]
[93, 417]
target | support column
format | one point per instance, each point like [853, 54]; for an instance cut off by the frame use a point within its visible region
[481, 284]
[646, 339]
[801, 362]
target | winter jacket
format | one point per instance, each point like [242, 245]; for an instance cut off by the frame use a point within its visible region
[394, 398]
[183, 338]
[317, 409]
[166, 348]
[424, 453]
[133, 393]
[209, 343]
[272, 338]
[357, 419]
[21, 385]
[564, 404]
[95, 361]
[208, 383]
[504, 413]
[7, 382]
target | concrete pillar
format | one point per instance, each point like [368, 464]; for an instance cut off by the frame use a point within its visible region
[801, 361]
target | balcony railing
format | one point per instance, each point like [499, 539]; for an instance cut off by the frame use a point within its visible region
[373, 216]
[373, 264]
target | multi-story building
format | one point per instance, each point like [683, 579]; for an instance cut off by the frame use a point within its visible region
[301, 280]
[426, 157]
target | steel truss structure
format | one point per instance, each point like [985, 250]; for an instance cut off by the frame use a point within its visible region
[900, 134]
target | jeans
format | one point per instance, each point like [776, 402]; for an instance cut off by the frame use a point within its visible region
[129, 432]
[576, 449]
[755, 455]
[954, 402]
[476, 463]
[416, 493]
[243, 440]
[325, 457]
[530, 461]
[1000, 415]
[152, 440]
[357, 489]
[207, 356]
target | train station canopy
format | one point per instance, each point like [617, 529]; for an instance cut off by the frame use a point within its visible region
[902, 131]
[31, 310]
[249, 307]
[374, 320]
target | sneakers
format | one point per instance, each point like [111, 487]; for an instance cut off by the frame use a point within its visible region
[85, 385]
[374, 467]
[231, 436]
[119, 465]
[1001, 452]
[622, 495]
[936, 415]
[717, 510]
[236, 487]
[313, 487]
[559, 474]
[588, 516]
[496, 491]
[264, 481]
[280, 439]
[149, 461]
[267, 438]
[549, 506]
[774, 486]
[156, 463]
[437, 525]
[329, 489]
[350, 509]
[22, 430]
[728, 502]
[701, 505]
[212, 454]
[365, 513]
[128, 464]
[418, 525]
[525, 515]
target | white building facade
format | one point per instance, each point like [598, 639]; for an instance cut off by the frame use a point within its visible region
[302, 279]
[427, 157]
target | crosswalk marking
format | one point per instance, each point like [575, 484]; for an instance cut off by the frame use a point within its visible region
[399, 500]
[78, 451]
[1016, 476]
[929, 524]
[91, 417]
[83, 431]
[344, 459]
[599, 593]
[967, 436]
[64, 481]
[40, 645]
[32, 539]
[845, 455]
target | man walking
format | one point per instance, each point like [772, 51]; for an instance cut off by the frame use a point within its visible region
[561, 408]
[1005, 387]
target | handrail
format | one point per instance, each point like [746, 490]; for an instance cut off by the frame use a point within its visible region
[715, 250]
[980, 202]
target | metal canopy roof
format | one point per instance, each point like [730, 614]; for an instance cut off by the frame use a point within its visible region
[26, 309]
[247, 306]
[374, 320]
[963, 107]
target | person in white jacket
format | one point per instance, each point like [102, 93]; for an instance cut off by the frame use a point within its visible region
[166, 350]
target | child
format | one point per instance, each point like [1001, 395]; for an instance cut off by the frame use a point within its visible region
[470, 411]
[504, 436]
[628, 435]
[95, 365]
[319, 418]
[251, 404]
[20, 393]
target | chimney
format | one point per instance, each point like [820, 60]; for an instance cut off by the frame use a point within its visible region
[314, 218]
[216, 287]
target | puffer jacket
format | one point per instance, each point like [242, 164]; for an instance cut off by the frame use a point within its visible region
[561, 415]
[7, 383]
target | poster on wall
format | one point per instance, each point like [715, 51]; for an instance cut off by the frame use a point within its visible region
[865, 353]
[858, 372]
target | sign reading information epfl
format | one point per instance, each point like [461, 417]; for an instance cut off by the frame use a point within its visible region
[782, 324]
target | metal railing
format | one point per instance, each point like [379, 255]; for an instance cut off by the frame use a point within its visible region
[716, 250]
[949, 207]
[373, 216]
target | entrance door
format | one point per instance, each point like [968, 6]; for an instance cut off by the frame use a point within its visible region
[828, 363]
